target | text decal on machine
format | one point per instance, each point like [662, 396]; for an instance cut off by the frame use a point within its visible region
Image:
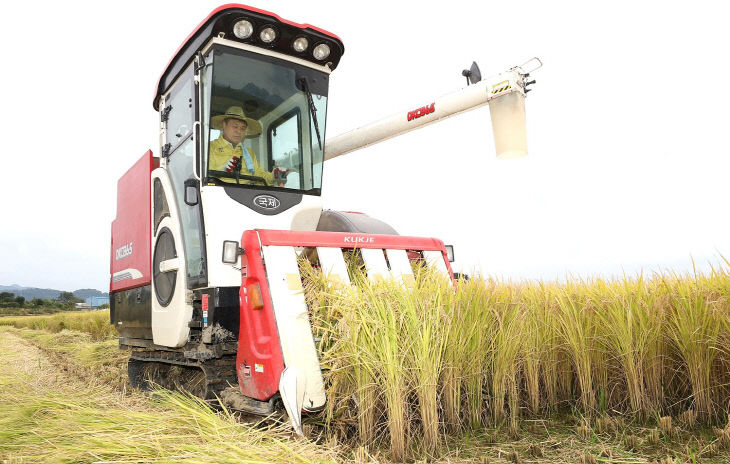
[124, 251]
[422, 111]
[266, 201]
[351, 239]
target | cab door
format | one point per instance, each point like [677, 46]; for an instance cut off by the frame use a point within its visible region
[178, 245]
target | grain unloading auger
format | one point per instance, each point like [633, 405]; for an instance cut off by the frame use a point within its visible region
[205, 282]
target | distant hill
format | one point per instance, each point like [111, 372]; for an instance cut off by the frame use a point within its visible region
[48, 293]
[85, 293]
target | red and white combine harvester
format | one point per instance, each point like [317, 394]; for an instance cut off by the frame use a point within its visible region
[205, 282]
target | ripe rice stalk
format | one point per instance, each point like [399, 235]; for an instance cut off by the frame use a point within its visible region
[533, 347]
[452, 376]
[576, 325]
[368, 347]
[95, 323]
[603, 362]
[558, 371]
[358, 351]
[628, 332]
[532, 370]
[348, 367]
[426, 326]
[325, 314]
[507, 352]
[466, 353]
[567, 376]
[366, 391]
[655, 361]
[507, 344]
[694, 328]
[382, 344]
[541, 348]
[477, 325]
[556, 365]
[719, 284]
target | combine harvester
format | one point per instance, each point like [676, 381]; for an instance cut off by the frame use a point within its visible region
[205, 284]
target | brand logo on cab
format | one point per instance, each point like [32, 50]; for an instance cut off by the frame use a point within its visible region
[422, 111]
[124, 251]
[266, 201]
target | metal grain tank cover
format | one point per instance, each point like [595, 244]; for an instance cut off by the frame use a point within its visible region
[131, 230]
[342, 221]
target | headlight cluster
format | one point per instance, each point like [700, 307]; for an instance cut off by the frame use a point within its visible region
[267, 35]
[321, 51]
[244, 29]
[300, 44]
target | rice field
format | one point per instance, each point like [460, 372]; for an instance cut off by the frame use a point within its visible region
[629, 370]
[412, 369]
[94, 323]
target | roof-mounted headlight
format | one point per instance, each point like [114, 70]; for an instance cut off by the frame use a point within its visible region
[300, 44]
[243, 29]
[321, 52]
[267, 35]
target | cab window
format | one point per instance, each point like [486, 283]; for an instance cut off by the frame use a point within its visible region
[285, 147]
[284, 107]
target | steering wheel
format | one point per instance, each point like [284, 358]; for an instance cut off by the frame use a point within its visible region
[230, 175]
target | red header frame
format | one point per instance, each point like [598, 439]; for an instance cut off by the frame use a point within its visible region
[348, 240]
[351, 240]
[259, 361]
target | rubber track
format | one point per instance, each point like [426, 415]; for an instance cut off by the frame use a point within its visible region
[218, 373]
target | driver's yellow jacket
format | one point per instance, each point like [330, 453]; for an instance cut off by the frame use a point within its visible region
[221, 150]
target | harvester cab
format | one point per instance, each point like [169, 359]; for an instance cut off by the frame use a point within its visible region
[205, 284]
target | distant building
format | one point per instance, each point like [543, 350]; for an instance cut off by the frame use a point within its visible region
[93, 302]
[83, 306]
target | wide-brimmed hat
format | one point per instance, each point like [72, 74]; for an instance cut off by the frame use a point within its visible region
[236, 112]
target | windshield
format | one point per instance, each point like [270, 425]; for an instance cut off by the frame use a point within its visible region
[264, 120]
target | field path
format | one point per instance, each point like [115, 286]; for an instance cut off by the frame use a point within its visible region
[27, 365]
[52, 412]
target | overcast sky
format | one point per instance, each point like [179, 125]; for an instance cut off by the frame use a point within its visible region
[627, 130]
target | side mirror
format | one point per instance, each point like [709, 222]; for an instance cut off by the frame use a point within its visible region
[231, 252]
[191, 192]
[450, 252]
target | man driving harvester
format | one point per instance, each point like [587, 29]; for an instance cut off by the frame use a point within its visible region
[228, 154]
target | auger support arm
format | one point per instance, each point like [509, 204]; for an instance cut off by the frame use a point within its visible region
[512, 82]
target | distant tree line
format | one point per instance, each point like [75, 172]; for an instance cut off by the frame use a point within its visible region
[66, 300]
